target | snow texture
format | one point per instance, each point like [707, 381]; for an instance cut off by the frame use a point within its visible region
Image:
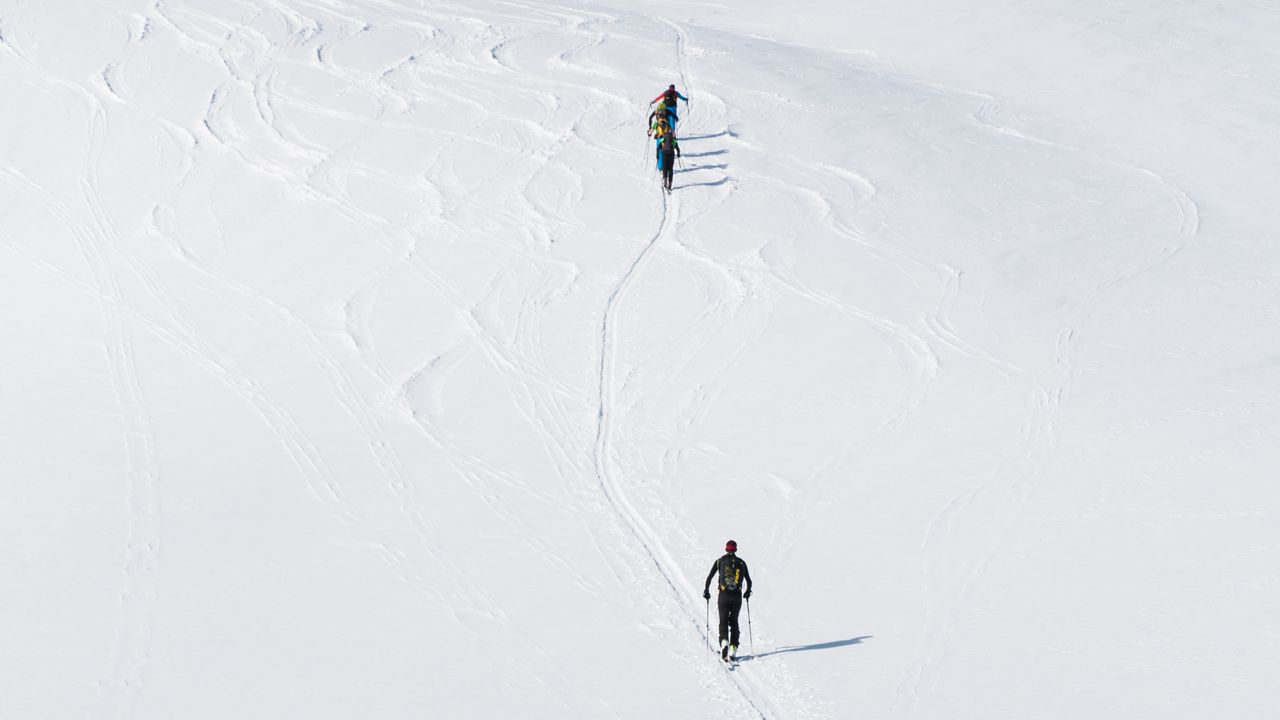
[355, 365]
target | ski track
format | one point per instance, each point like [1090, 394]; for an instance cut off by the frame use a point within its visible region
[605, 458]
[761, 693]
[128, 657]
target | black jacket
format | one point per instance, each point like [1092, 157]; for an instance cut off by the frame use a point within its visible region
[741, 567]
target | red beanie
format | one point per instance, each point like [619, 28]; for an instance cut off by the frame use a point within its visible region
[731, 546]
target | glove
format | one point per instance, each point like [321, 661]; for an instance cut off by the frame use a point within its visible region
[706, 594]
[746, 595]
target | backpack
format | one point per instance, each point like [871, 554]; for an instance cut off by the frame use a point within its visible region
[730, 573]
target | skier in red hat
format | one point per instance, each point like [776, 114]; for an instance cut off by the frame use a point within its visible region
[734, 579]
[667, 106]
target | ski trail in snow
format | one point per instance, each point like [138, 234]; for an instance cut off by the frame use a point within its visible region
[749, 686]
[605, 456]
[607, 389]
[99, 244]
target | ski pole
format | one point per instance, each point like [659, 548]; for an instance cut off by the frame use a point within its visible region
[708, 625]
[750, 635]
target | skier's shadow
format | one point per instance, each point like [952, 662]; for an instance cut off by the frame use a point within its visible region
[691, 168]
[706, 154]
[713, 183]
[706, 166]
[815, 646]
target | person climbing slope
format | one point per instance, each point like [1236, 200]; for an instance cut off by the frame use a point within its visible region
[658, 127]
[732, 571]
[668, 151]
[660, 114]
[668, 100]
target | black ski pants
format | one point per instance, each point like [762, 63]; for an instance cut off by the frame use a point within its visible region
[668, 168]
[729, 604]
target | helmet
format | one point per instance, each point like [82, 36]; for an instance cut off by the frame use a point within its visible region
[672, 86]
[731, 546]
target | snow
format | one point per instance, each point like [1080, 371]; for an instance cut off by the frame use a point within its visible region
[354, 364]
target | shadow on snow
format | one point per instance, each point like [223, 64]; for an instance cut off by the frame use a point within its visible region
[706, 154]
[815, 646]
[713, 183]
[691, 168]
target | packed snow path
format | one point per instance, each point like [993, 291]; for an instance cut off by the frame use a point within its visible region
[357, 366]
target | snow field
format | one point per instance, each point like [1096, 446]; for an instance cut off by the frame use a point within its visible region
[355, 365]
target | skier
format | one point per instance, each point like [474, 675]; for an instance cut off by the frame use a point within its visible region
[658, 128]
[661, 114]
[733, 574]
[668, 98]
[668, 151]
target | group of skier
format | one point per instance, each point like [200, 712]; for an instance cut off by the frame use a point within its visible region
[734, 582]
[662, 128]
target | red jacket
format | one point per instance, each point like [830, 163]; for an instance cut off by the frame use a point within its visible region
[671, 96]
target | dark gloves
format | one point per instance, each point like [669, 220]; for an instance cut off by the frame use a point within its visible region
[746, 595]
[706, 594]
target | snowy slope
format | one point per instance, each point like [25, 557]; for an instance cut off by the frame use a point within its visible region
[354, 365]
